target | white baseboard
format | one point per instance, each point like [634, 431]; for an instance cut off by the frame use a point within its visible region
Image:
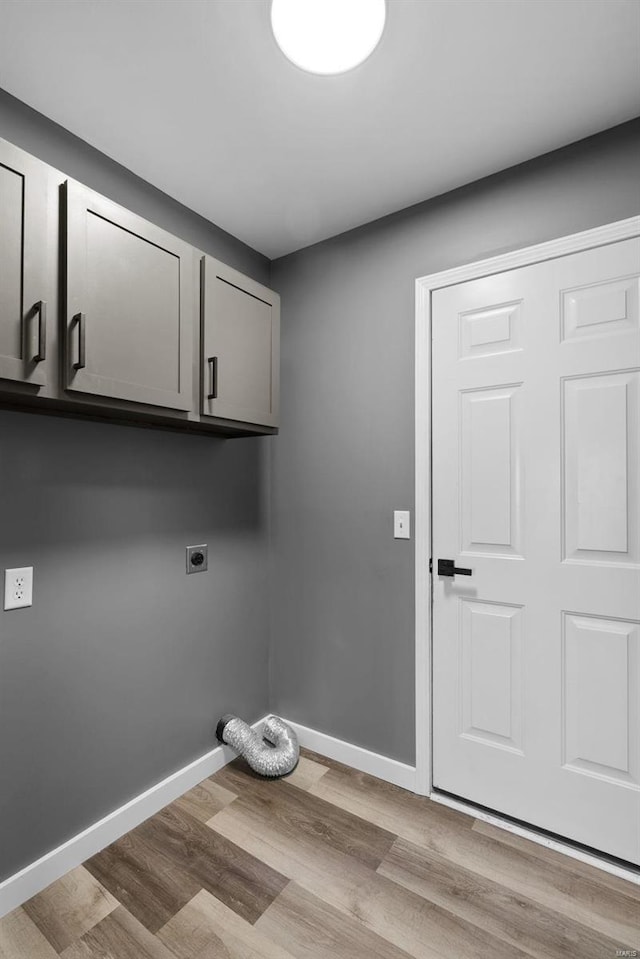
[566, 848]
[382, 767]
[39, 874]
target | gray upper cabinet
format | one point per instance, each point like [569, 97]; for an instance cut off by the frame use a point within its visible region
[23, 257]
[104, 314]
[240, 347]
[131, 305]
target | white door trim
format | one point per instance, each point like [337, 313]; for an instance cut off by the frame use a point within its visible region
[424, 287]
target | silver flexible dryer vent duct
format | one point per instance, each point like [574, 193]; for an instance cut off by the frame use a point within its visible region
[275, 753]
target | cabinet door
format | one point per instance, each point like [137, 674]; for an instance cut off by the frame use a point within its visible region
[240, 347]
[130, 304]
[23, 255]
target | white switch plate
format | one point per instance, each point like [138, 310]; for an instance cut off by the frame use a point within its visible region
[18, 587]
[401, 524]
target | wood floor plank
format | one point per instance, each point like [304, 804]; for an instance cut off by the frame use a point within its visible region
[391, 807]
[207, 929]
[20, 938]
[311, 929]
[307, 773]
[297, 855]
[448, 833]
[403, 918]
[542, 932]
[309, 815]
[325, 760]
[329, 863]
[244, 883]
[119, 936]
[205, 800]
[143, 879]
[66, 909]
[555, 858]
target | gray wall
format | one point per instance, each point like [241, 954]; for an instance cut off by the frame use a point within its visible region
[118, 673]
[35, 133]
[342, 657]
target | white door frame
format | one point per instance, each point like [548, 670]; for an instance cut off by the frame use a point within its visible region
[425, 285]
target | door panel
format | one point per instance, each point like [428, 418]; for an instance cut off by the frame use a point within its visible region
[491, 673]
[493, 330]
[600, 697]
[133, 285]
[535, 487]
[23, 259]
[601, 309]
[601, 472]
[490, 471]
[241, 345]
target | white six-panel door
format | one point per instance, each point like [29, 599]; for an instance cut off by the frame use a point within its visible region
[536, 469]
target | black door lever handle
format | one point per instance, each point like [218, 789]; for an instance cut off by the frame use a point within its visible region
[446, 568]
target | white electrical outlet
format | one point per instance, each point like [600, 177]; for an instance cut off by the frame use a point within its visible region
[18, 587]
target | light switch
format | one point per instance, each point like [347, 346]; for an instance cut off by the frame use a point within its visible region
[401, 524]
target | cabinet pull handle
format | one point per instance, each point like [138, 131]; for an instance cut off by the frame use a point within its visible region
[213, 378]
[80, 319]
[41, 307]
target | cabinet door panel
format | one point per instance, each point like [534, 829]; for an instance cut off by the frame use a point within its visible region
[241, 342]
[133, 285]
[23, 255]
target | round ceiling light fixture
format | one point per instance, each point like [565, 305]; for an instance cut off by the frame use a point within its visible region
[327, 36]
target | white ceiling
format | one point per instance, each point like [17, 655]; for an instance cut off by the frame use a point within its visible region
[194, 96]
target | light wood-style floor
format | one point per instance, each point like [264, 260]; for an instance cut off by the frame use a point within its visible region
[327, 864]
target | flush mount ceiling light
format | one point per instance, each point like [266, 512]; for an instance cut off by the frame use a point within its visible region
[327, 36]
